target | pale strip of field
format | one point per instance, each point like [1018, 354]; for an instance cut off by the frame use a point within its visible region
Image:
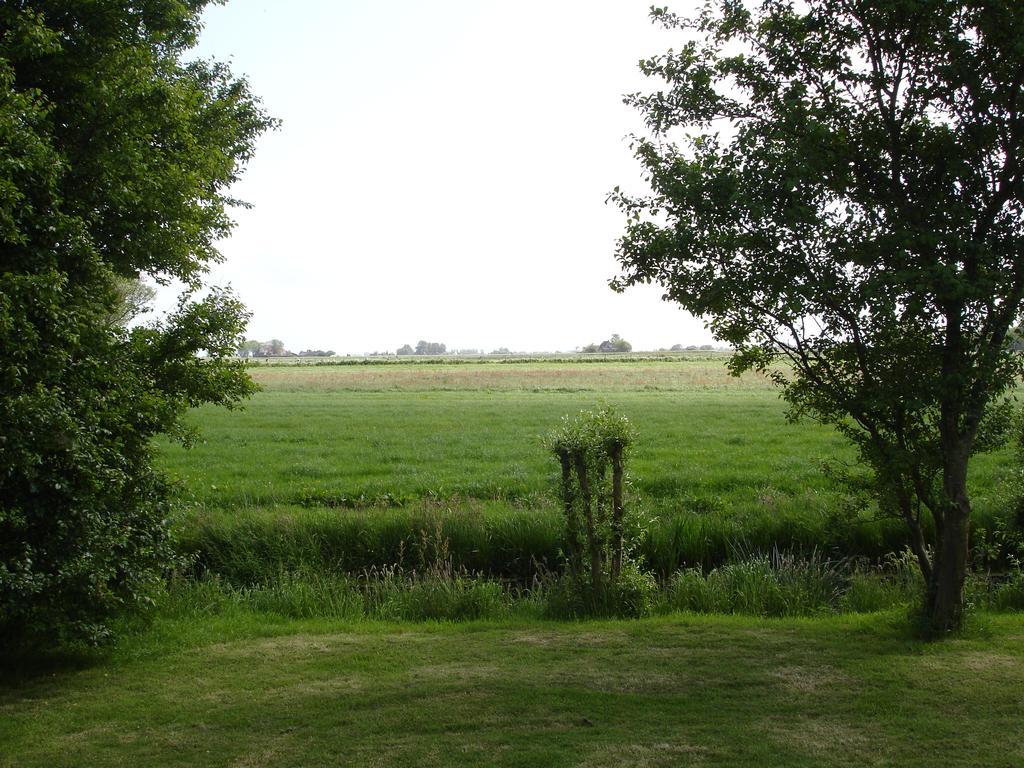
[599, 377]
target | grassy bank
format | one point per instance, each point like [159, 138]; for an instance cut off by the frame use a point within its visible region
[495, 539]
[772, 585]
[250, 688]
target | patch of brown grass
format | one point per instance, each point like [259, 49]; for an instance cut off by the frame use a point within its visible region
[826, 738]
[693, 375]
[651, 755]
[807, 680]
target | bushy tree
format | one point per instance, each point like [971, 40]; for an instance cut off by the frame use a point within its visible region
[615, 344]
[115, 160]
[249, 348]
[253, 348]
[132, 299]
[838, 185]
[430, 348]
[591, 449]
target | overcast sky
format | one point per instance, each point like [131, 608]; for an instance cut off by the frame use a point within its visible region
[440, 173]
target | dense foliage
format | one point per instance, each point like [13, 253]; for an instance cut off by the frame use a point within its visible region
[423, 348]
[840, 185]
[253, 348]
[115, 158]
[591, 449]
[615, 344]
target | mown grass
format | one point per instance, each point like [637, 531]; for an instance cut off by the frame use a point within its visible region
[320, 470]
[247, 688]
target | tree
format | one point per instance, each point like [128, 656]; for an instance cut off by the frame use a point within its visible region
[249, 348]
[115, 160]
[837, 184]
[593, 506]
[615, 344]
[133, 297]
[405, 349]
[430, 348]
[272, 348]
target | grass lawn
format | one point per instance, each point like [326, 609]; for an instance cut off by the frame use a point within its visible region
[243, 689]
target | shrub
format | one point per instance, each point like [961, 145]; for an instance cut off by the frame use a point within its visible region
[634, 593]
[591, 450]
[571, 596]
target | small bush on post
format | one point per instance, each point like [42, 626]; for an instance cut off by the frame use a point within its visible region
[591, 449]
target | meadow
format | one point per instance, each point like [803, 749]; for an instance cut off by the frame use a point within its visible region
[350, 466]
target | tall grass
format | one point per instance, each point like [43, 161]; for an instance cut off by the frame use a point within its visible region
[705, 541]
[764, 585]
[246, 546]
[388, 595]
[771, 585]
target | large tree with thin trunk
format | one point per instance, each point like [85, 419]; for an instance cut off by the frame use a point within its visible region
[836, 186]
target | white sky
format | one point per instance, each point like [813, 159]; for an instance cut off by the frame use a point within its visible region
[441, 172]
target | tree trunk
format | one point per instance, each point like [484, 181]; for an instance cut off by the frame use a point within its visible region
[945, 596]
[617, 510]
[573, 544]
[588, 513]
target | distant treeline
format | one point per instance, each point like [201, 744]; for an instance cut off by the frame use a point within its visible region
[276, 348]
[423, 348]
[515, 359]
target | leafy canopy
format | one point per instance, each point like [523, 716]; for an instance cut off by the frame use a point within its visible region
[116, 158]
[837, 184]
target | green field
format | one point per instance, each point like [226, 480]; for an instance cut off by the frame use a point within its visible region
[330, 615]
[327, 449]
[241, 689]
